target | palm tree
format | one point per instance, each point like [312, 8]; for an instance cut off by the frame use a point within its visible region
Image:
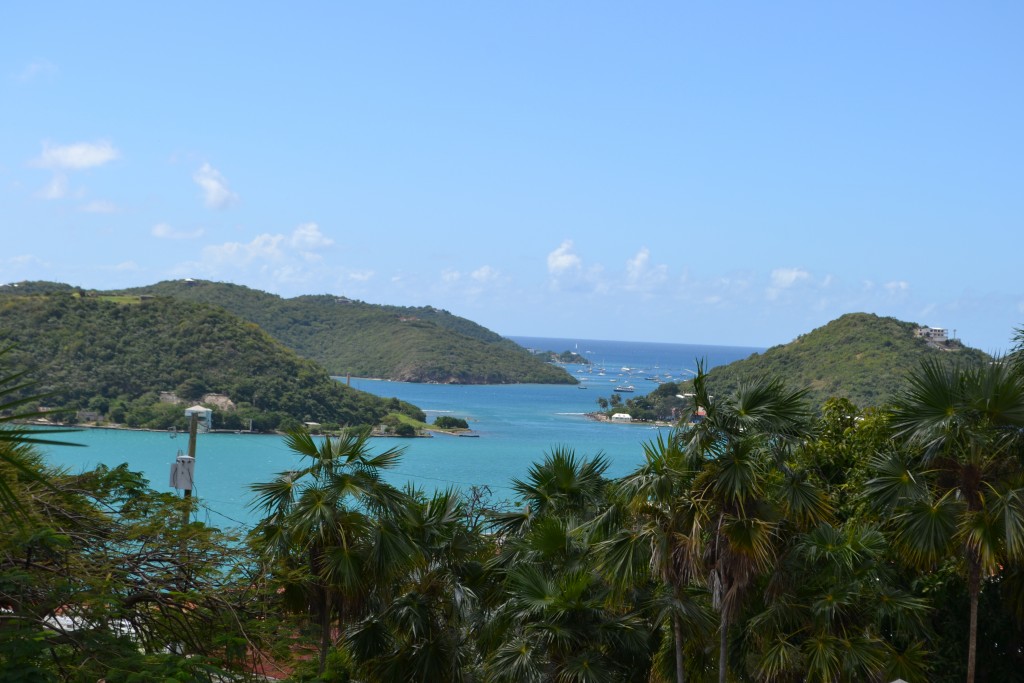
[562, 481]
[15, 398]
[554, 616]
[958, 489]
[425, 633]
[330, 527]
[834, 611]
[559, 626]
[746, 491]
[661, 536]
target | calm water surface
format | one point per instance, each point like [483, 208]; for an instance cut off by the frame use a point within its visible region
[516, 424]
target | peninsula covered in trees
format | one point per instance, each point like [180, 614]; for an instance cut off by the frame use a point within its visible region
[859, 356]
[349, 337]
[134, 361]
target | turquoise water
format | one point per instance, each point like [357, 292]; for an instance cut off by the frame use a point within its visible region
[516, 424]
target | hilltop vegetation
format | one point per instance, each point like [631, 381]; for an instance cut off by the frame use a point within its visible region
[859, 356]
[846, 549]
[113, 359]
[408, 344]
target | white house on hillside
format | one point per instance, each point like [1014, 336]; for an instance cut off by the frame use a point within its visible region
[935, 334]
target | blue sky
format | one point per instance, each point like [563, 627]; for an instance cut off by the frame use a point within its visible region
[680, 172]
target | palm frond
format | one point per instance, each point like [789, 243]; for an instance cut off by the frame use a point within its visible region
[926, 529]
[896, 480]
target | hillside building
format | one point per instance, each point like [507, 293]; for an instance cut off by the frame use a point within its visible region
[934, 334]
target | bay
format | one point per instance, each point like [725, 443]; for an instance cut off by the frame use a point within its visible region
[516, 424]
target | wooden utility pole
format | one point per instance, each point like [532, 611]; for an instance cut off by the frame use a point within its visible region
[193, 427]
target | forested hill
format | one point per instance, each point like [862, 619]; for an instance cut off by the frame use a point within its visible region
[859, 356]
[113, 356]
[350, 337]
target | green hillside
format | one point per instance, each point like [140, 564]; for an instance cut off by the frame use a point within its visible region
[104, 355]
[859, 356]
[421, 344]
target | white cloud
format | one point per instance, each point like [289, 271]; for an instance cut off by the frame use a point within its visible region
[450, 276]
[57, 188]
[308, 236]
[164, 231]
[897, 287]
[77, 156]
[263, 247]
[783, 278]
[25, 260]
[636, 266]
[127, 266]
[640, 275]
[360, 275]
[484, 274]
[724, 290]
[36, 69]
[562, 259]
[216, 193]
[99, 206]
[276, 258]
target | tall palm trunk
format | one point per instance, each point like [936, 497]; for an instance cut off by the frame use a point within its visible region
[325, 627]
[323, 604]
[973, 589]
[677, 632]
[723, 645]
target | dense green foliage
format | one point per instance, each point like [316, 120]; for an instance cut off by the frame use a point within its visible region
[768, 541]
[661, 404]
[34, 287]
[350, 337]
[113, 359]
[100, 580]
[449, 422]
[862, 357]
[565, 357]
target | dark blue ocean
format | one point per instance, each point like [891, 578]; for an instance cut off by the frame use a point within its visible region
[516, 424]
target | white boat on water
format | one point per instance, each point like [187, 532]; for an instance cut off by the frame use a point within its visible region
[629, 388]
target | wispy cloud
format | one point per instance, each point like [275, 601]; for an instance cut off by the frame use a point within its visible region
[485, 274]
[99, 206]
[360, 275]
[77, 156]
[24, 260]
[783, 279]
[275, 258]
[562, 259]
[308, 237]
[641, 275]
[166, 232]
[37, 69]
[897, 287]
[216, 193]
[57, 188]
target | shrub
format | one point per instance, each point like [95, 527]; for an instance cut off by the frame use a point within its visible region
[448, 422]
